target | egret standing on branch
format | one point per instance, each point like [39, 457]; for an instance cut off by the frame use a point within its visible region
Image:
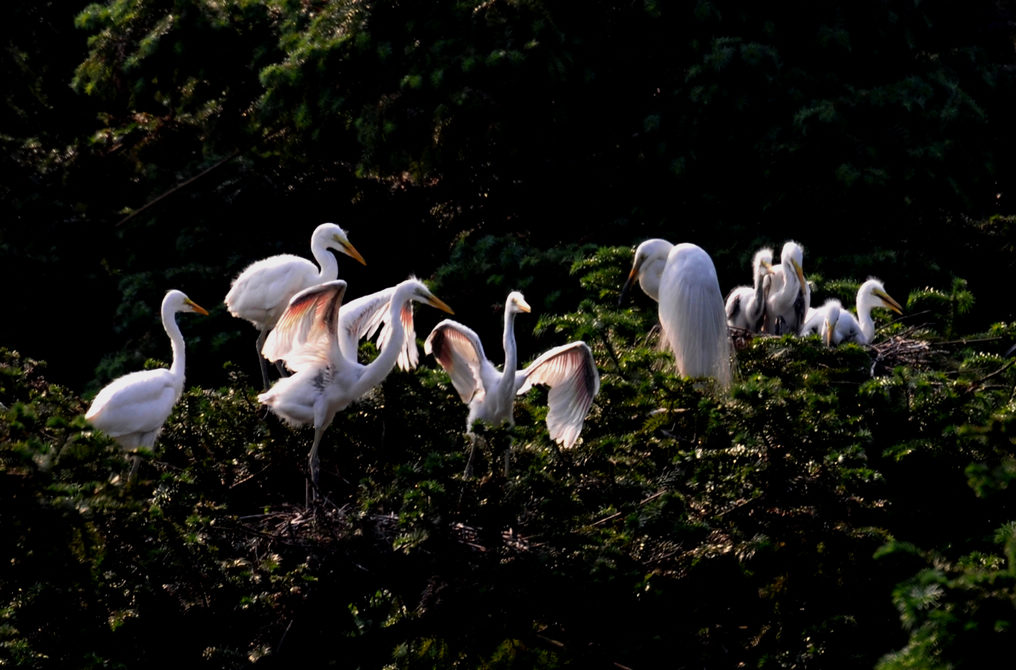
[326, 379]
[569, 371]
[746, 305]
[133, 408]
[262, 291]
[682, 279]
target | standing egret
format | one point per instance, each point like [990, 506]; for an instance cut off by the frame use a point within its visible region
[789, 294]
[861, 329]
[262, 291]
[326, 378]
[569, 371]
[133, 408]
[746, 305]
[682, 279]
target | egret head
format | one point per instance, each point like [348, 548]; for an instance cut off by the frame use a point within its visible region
[177, 301]
[331, 236]
[872, 293]
[762, 262]
[517, 303]
[650, 259]
[418, 292]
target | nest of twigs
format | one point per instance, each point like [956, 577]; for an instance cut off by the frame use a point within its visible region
[903, 349]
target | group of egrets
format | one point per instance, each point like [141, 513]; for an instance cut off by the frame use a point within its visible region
[779, 302]
[695, 319]
[313, 337]
[305, 328]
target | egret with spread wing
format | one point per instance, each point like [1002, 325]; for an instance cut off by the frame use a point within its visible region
[262, 291]
[789, 294]
[133, 408]
[327, 375]
[569, 371]
[682, 279]
[746, 305]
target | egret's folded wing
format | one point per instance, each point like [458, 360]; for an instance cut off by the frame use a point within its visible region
[459, 351]
[570, 372]
[306, 332]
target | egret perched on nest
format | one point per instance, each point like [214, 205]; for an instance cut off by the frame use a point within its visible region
[746, 305]
[789, 294]
[861, 329]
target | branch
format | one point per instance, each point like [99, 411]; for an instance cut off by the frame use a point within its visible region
[178, 187]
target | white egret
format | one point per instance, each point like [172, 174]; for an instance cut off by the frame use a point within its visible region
[822, 321]
[789, 294]
[682, 279]
[861, 329]
[133, 408]
[326, 378]
[569, 371]
[261, 292]
[746, 305]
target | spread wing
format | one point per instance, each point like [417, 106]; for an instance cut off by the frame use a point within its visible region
[458, 350]
[361, 318]
[307, 331]
[570, 372]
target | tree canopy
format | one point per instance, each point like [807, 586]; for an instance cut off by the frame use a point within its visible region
[847, 507]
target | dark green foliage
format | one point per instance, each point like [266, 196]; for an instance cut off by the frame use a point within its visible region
[838, 507]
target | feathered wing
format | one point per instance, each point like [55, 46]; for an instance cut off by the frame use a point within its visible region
[458, 350]
[138, 402]
[363, 317]
[260, 292]
[693, 317]
[307, 331]
[570, 372]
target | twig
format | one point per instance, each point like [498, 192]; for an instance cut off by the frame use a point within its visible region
[617, 514]
[178, 187]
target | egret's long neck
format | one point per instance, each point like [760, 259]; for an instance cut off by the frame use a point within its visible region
[790, 289]
[328, 266]
[864, 319]
[759, 300]
[176, 340]
[375, 371]
[511, 354]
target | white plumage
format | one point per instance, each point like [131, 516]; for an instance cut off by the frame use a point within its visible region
[327, 375]
[133, 408]
[789, 295]
[860, 329]
[569, 371]
[822, 321]
[682, 278]
[745, 306]
[261, 292]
